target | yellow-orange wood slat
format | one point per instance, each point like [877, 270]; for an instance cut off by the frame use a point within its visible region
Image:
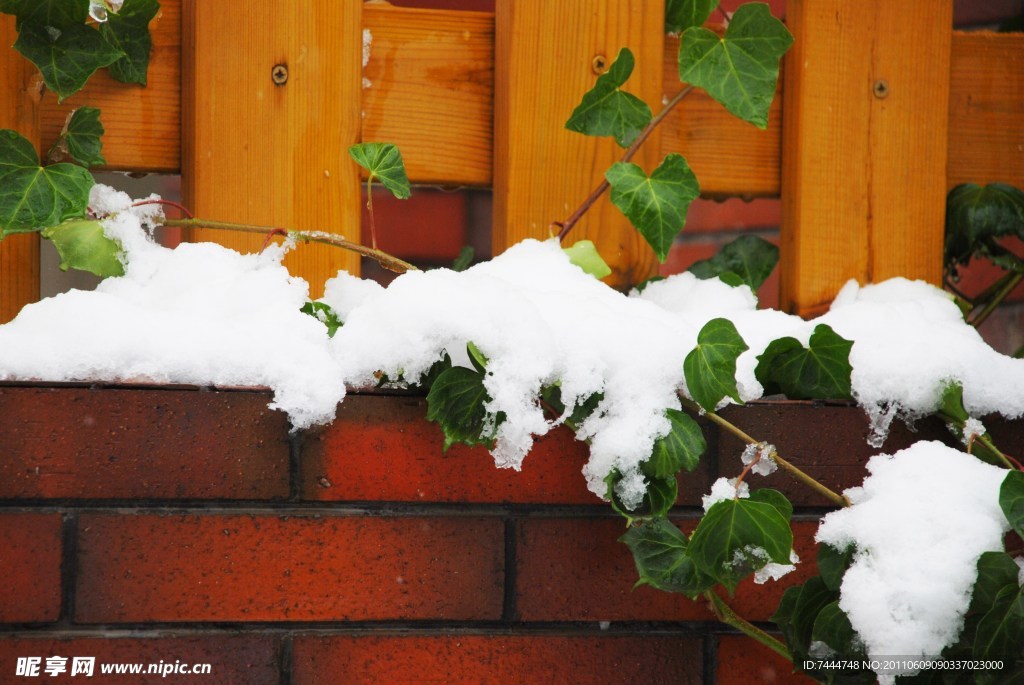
[430, 90]
[986, 109]
[863, 176]
[547, 54]
[142, 124]
[19, 254]
[258, 152]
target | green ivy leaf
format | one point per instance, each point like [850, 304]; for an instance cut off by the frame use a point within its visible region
[457, 401]
[682, 14]
[465, 258]
[584, 254]
[996, 570]
[797, 612]
[832, 626]
[977, 216]
[740, 69]
[477, 358]
[66, 57]
[832, 565]
[951, 405]
[82, 137]
[33, 197]
[82, 245]
[821, 371]
[656, 205]
[56, 13]
[659, 551]
[728, 542]
[383, 161]
[128, 30]
[1011, 500]
[660, 496]
[608, 111]
[325, 315]
[680, 449]
[750, 258]
[775, 499]
[710, 368]
[434, 372]
[1000, 632]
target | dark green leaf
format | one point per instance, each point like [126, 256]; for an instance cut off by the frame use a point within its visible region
[1001, 631]
[128, 29]
[797, 611]
[737, 537]
[775, 499]
[682, 14]
[951, 406]
[68, 57]
[33, 197]
[832, 565]
[608, 111]
[656, 205]
[750, 258]
[821, 371]
[659, 550]
[477, 358]
[710, 368]
[740, 69]
[584, 254]
[996, 570]
[464, 259]
[384, 162]
[56, 13]
[832, 627]
[680, 449]
[82, 137]
[435, 370]
[582, 410]
[1011, 500]
[456, 401]
[325, 315]
[83, 245]
[976, 216]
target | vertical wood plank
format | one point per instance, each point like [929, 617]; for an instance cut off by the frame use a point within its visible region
[254, 151]
[544, 61]
[19, 110]
[864, 145]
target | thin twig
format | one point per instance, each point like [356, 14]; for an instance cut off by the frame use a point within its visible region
[726, 614]
[169, 203]
[1000, 295]
[369, 208]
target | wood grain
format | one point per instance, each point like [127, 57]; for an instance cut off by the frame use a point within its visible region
[272, 154]
[863, 175]
[19, 254]
[543, 171]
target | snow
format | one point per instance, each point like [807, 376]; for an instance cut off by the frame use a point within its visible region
[774, 571]
[724, 489]
[918, 525]
[760, 455]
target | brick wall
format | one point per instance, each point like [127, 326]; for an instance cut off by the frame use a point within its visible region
[153, 524]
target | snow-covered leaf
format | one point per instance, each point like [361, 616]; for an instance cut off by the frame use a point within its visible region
[710, 367]
[583, 254]
[457, 401]
[976, 216]
[821, 371]
[1011, 500]
[324, 314]
[384, 162]
[606, 110]
[34, 197]
[680, 449]
[66, 57]
[682, 14]
[740, 69]
[749, 257]
[660, 496]
[82, 245]
[656, 205]
[128, 29]
[659, 551]
[82, 137]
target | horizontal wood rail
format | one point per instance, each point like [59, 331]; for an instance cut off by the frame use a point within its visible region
[430, 89]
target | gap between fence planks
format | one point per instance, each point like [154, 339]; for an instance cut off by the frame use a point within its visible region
[431, 91]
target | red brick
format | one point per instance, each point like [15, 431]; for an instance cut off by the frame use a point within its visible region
[234, 660]
[742, 661]
[979, 274]
[429, 226]
[30, 591]
[497, 659]
[576, 570]
[140, 443]
[382, 448]
[733, 215]
[268, 568]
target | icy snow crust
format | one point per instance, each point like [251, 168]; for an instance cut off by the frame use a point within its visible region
[203, 314]
[918, 525]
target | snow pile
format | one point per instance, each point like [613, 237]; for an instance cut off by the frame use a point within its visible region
[199, 314]
[918, 525]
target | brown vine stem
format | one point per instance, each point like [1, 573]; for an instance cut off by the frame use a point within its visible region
[389, 262]
[799, 475]
[727, 615]
[567, 225]
[1006, 288]
[369, 209]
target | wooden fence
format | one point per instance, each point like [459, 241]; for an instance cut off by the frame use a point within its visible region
[883, 108]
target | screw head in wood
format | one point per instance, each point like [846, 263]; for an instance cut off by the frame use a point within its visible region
[881, 89]
[279, 74]
[599, 64]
